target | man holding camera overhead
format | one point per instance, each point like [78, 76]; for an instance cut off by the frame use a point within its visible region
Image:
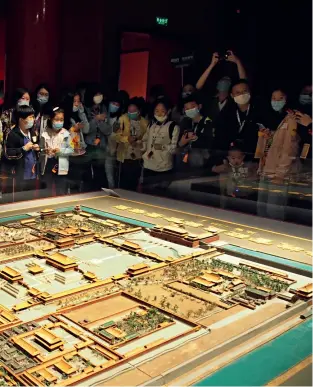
[222, 98]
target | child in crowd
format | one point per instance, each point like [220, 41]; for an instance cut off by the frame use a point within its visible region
[234, 172]
[55, 144]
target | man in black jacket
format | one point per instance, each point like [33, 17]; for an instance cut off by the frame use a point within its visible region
[239, 121]
[21, 149]
[197, 134]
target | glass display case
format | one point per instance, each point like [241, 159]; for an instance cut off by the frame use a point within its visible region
[106, 280]
[187, 278]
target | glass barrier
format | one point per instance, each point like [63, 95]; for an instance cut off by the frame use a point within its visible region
[233, 182]
[241, 183]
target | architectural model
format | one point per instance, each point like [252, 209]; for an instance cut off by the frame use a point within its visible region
[83, 295]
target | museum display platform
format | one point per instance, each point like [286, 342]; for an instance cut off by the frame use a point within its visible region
[142, 290]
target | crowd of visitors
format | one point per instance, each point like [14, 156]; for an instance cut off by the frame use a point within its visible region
[88, 140]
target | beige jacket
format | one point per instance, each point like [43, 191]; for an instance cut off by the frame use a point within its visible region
[281, 156]
[122, 135]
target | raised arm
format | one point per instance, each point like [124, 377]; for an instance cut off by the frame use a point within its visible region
[205, 75]
[241, 70]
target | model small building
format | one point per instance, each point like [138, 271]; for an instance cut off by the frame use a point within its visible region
[77, 209]
[47, 213]
[90, 276]
[182, 237]
[35, 269]
[131, 246]
[138, 269]
[305, 292]
[64, 242]
[61, 262]
[257, 293]
[10, 274]
[48, 340]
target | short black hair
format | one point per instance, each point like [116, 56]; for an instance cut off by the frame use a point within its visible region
[157, 91]
[139, 102]
[24, 111]
[278, 88]
[52, 114]
[195, 97]
[239, 82]
[163, 101]
[18, 94]
[236, 145]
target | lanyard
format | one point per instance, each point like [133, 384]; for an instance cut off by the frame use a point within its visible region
[242, 124]
[156, 131]
[196, 126]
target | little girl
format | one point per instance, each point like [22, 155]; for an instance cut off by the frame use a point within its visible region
[55, 144]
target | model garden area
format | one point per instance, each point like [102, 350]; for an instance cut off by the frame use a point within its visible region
[85, 297]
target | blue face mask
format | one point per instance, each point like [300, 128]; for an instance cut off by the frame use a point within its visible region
[132, 116]
[278, 105]
[29, 124]
[113, 108]
[192, 113]
[57, 125]
[75, 108]
[305, 99]
[223, 85]
[42, 99]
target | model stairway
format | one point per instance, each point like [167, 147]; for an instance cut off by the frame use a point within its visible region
[15, 291]
[67, 278]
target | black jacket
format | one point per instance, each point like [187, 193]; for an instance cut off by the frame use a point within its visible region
[203, 129]
[14, 152]
[227, 128]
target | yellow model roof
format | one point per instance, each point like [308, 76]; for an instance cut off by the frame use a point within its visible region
[306, 289]
[26, 346]
[202, 281]
[10, 272]
[63, 366]
[61, 258]
[47, 210]
[211, 277]
[139, 266]
[35, 269]
[47, 336]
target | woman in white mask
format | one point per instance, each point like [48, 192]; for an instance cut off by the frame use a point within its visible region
[159, 144]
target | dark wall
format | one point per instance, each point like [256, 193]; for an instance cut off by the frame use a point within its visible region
[79, 40]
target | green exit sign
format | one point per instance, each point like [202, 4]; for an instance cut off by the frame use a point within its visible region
[162, 21]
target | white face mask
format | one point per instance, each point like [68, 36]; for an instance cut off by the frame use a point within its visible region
[97, 99]
[160, 118]
[242, 99]
[22, 102]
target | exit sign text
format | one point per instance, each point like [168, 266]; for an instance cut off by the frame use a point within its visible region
[162, 21]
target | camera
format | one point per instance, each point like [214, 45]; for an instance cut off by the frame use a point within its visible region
[224, 55]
